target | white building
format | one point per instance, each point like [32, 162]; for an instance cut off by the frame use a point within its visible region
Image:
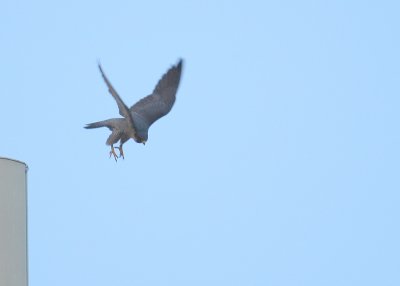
[13, 223]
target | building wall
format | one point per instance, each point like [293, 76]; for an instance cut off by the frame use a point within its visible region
[13, 223]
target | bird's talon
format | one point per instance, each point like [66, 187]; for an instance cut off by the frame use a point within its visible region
[121, 152]
[112, 152]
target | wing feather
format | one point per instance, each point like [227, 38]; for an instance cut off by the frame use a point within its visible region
[123, 109]
[160, 102]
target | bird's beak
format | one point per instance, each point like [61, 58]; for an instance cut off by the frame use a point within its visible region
[144, 142]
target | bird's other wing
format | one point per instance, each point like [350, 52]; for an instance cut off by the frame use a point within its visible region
[123, 109]
[160, 102]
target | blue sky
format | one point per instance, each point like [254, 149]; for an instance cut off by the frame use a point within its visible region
[278, 165]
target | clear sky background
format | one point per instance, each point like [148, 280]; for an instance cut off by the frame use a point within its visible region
[278, 165]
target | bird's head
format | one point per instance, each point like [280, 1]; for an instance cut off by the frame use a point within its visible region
[141, 137]
[140, 140]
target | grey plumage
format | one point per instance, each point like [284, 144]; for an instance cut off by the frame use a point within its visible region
[137, 120]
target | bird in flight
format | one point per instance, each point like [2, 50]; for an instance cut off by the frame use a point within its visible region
[138, 118]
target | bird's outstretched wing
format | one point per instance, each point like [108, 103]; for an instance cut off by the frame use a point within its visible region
[160, 102]
[123, 109]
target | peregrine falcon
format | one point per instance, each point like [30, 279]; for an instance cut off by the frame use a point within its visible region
[137, 120]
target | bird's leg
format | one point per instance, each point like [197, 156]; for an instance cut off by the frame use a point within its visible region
[112, 152]
[121, 151]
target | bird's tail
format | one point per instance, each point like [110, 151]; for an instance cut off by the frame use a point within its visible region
[104, 123]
